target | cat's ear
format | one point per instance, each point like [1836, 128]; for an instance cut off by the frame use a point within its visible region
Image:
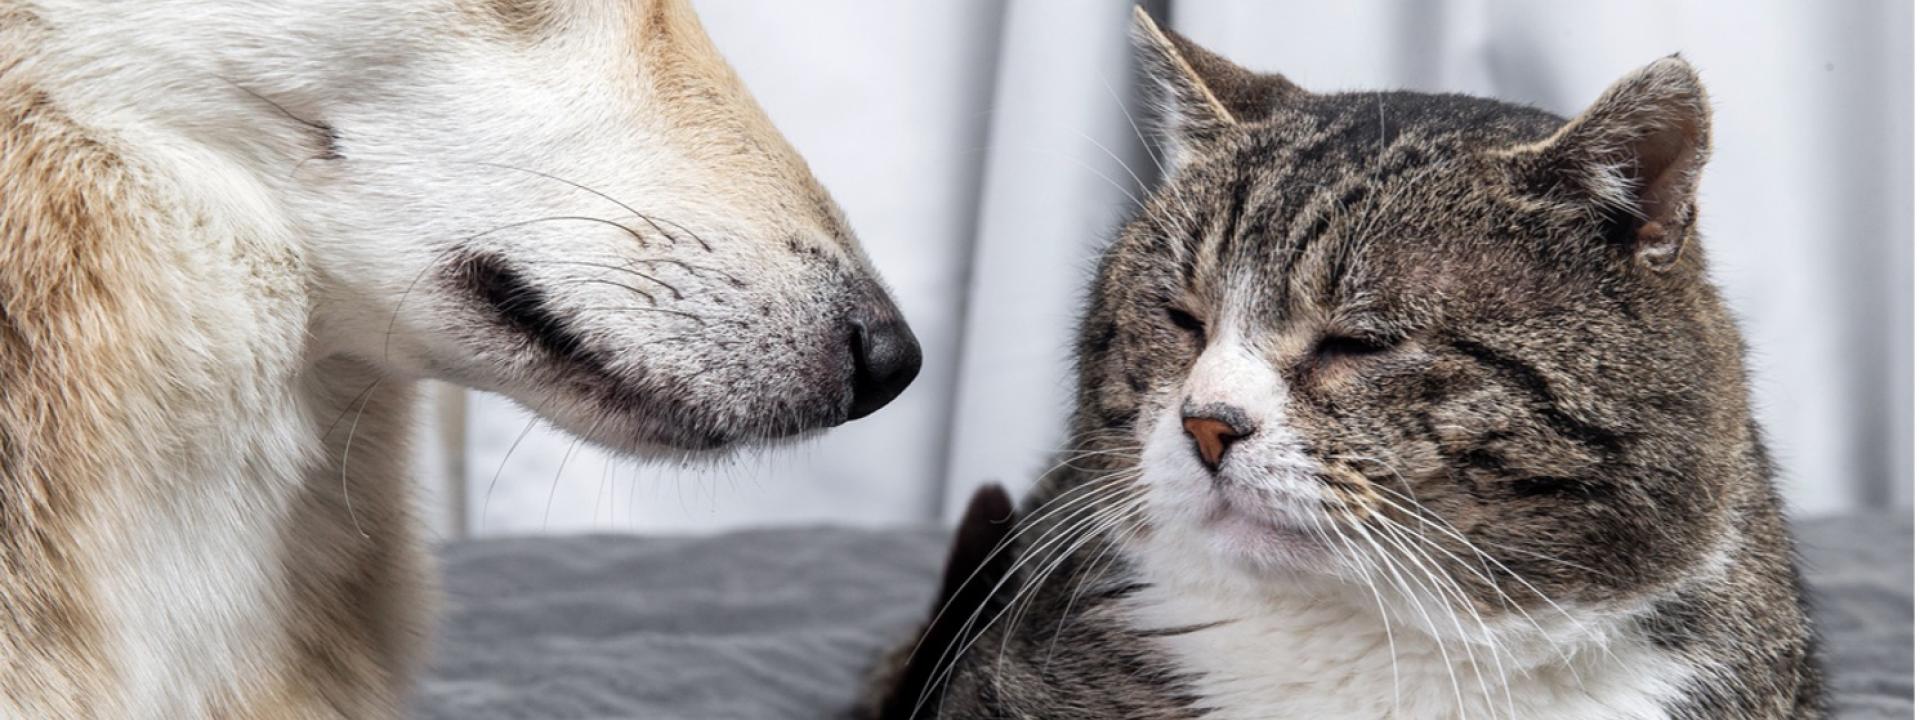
[1635, 155]
[1200, 95]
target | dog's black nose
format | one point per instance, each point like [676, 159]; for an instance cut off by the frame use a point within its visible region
[886, 357]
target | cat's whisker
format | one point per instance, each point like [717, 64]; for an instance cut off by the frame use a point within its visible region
[1106, 557]
[1127, 112]
[1131, 196]
[1321, 525]
[1428, 517]
[1549, 558]
[1407, 593]
[1484, 574]
[1030, 590]
[1402, 537]
[1435, 583]
[1142, 184]
[1088, 497]
[1083, 453]
[949, 658]
[1456, 535]
[1051, 542]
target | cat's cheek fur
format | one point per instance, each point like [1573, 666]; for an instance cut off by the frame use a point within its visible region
[1292, 599]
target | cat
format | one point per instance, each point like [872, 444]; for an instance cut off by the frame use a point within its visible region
[1391, 405]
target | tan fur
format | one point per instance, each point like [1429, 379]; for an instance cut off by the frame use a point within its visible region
[97, 296]
[68, 347]
[711, 111]
[120, 360]
[517, 20]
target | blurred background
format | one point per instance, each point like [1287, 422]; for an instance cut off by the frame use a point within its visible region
[984, 150]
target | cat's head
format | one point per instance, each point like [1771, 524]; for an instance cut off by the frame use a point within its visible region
[1361, 333]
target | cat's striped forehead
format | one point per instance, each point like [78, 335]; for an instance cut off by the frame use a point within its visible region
[1304, 212]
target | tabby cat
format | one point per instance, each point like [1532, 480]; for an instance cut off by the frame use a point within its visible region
[1391, 405]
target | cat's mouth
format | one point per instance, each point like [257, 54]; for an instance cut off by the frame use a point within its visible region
[1258, 530]
[1261, 530]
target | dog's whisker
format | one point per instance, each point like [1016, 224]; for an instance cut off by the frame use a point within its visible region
[346, 453]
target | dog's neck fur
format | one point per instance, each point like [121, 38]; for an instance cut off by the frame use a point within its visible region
[171, 408]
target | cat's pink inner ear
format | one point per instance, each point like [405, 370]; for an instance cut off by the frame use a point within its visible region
[1638, 150]
[1668, 162]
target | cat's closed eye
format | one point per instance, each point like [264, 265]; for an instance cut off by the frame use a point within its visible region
[1187, 322]
[1334, 348]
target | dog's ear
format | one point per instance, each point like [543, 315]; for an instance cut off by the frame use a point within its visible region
[976, 564]
[1199, 95]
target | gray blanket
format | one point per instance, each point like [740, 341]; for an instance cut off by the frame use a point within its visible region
[780, 624]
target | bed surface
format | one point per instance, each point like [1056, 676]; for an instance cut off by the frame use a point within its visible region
[781, 624]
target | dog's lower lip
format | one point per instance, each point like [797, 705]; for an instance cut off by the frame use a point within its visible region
[710, 442]
[576, 367]
[521, 305]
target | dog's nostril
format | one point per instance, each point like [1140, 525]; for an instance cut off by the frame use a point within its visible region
[1214, 429]
[886, 357]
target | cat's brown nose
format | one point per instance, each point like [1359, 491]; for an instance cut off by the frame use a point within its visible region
[1215, 428]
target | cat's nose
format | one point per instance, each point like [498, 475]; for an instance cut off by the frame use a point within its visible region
[886, 357]
[1215, 428]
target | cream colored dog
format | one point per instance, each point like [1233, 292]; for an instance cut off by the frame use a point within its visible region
[233, 235]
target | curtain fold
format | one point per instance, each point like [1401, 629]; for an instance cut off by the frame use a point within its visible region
[1067, 164]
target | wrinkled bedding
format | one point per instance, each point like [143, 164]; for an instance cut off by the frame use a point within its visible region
[781, 624]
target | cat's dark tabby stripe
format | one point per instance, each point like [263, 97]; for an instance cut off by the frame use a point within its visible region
[1512, 305]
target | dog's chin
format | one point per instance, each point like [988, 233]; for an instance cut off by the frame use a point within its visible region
[633, 420]
[560, 374]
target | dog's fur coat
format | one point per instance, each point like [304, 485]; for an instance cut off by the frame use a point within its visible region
[233, 236]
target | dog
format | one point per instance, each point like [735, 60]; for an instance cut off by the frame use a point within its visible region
[234, 236]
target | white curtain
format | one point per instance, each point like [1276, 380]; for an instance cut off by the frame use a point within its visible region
[984, 151]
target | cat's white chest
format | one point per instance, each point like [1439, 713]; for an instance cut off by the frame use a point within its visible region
[1327, 658]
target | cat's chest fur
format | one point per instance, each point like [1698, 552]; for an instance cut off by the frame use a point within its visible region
[1324, 657]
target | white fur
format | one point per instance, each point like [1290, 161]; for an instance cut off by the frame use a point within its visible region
[305, 281]
[189, 581]
[1318, 649]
